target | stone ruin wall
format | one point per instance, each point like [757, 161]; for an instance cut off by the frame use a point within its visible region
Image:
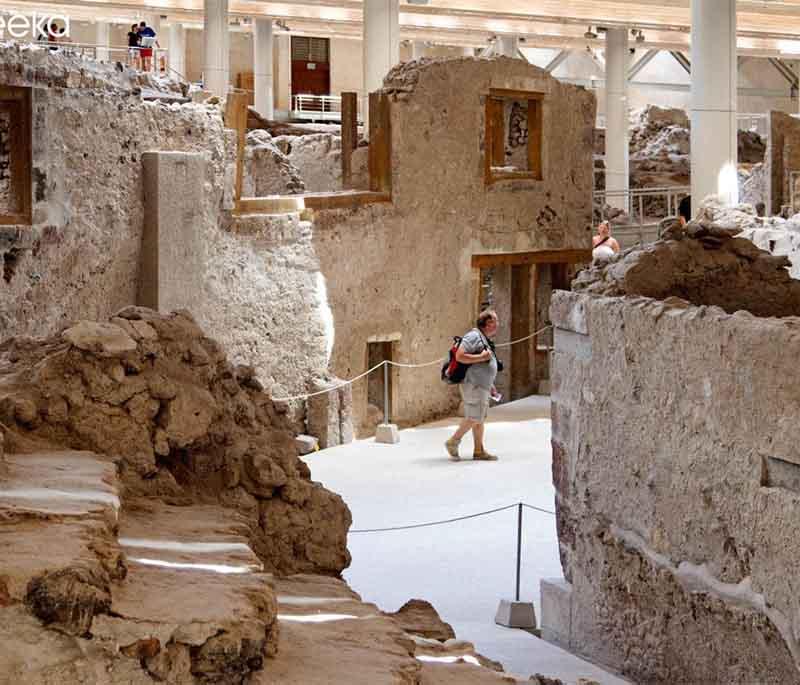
[413, 275]
[261, 293]
[675, 464]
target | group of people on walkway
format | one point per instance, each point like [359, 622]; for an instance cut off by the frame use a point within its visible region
[141, 41]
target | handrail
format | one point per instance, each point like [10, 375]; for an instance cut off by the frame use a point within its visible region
[671, 194]
[325, 107]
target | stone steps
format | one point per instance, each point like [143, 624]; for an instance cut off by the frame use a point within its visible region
[195, 605]
[58, 517]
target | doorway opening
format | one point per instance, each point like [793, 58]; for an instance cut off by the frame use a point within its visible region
[379, 394]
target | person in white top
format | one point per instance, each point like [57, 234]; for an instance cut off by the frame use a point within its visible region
[603, 245]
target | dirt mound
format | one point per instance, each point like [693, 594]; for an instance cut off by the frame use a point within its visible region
[186, 425]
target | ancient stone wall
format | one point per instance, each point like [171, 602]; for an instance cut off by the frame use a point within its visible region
[413, 273]
[260, 292]
[81, 255]
[675, 469]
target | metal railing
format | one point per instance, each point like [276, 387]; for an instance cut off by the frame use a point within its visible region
[645, 207]
[318, 107]
[158, 62]
[744, 122]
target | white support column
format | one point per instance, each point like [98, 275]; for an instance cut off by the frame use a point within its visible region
[508, 45]
[468, 52]
[177, 49]
[417, 49]
[381, 41]
[617, 58]
[101, 31]
[262, 67]
[216, 57]
[713, 101]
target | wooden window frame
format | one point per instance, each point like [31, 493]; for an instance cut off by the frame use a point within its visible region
[494, 137]
[17, 101]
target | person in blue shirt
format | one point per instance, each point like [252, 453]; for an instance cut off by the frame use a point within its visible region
[146, 32]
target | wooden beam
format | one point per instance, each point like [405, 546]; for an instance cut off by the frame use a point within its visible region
[580, 256]
[236, 118]
[508, 94]
[380, 143]
[344, 200]
[283, 204]
[349, 136]
[520, 327]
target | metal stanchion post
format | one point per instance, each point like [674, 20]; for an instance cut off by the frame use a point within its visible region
[386, 417]
[519, 544]
[387, 431]
[515, 613]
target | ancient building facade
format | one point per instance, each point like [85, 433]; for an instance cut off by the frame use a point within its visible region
[452, 216]
[306, 294]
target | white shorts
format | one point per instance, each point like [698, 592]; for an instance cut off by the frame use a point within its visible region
[476, 401]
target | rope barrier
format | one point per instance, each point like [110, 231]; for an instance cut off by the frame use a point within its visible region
[452, 520]
[387, 362]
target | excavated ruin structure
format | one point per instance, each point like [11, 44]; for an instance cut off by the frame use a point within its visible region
[674, 460]
[158, 526]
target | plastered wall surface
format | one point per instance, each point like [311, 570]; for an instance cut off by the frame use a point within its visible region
[676, 473]
[81, 255]
[413, 271]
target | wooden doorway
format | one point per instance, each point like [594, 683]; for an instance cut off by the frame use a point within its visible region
[311, 68]
[518, 285]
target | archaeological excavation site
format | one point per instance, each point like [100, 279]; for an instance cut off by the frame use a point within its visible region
[399, 343]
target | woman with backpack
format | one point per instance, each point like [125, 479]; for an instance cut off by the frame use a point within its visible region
[477, 352]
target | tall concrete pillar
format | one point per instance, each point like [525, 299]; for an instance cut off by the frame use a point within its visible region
[101, 31]
[617, 58]
[381, 42]
[713, 101]
[508, 45]
[262, 67]
[216, 55]
[177, 49]
[417, 49]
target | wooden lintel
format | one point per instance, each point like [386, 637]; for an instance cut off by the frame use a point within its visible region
[283, 204]
[508, 94]
[344, 200]
[483, 261]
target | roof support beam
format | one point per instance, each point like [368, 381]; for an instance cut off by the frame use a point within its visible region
[682, 59]
[558, 60]
[784, 70]
[641, 63]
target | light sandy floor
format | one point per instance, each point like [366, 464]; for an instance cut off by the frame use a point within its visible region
[463, 568]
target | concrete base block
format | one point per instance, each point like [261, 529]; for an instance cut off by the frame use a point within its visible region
[387, 433]
[556, 594]
[306, 444]
[515, 614]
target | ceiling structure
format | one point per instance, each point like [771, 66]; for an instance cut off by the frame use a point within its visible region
[765, 27]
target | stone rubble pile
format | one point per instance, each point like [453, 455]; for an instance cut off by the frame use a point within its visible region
[706, 262]
[156, 393]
